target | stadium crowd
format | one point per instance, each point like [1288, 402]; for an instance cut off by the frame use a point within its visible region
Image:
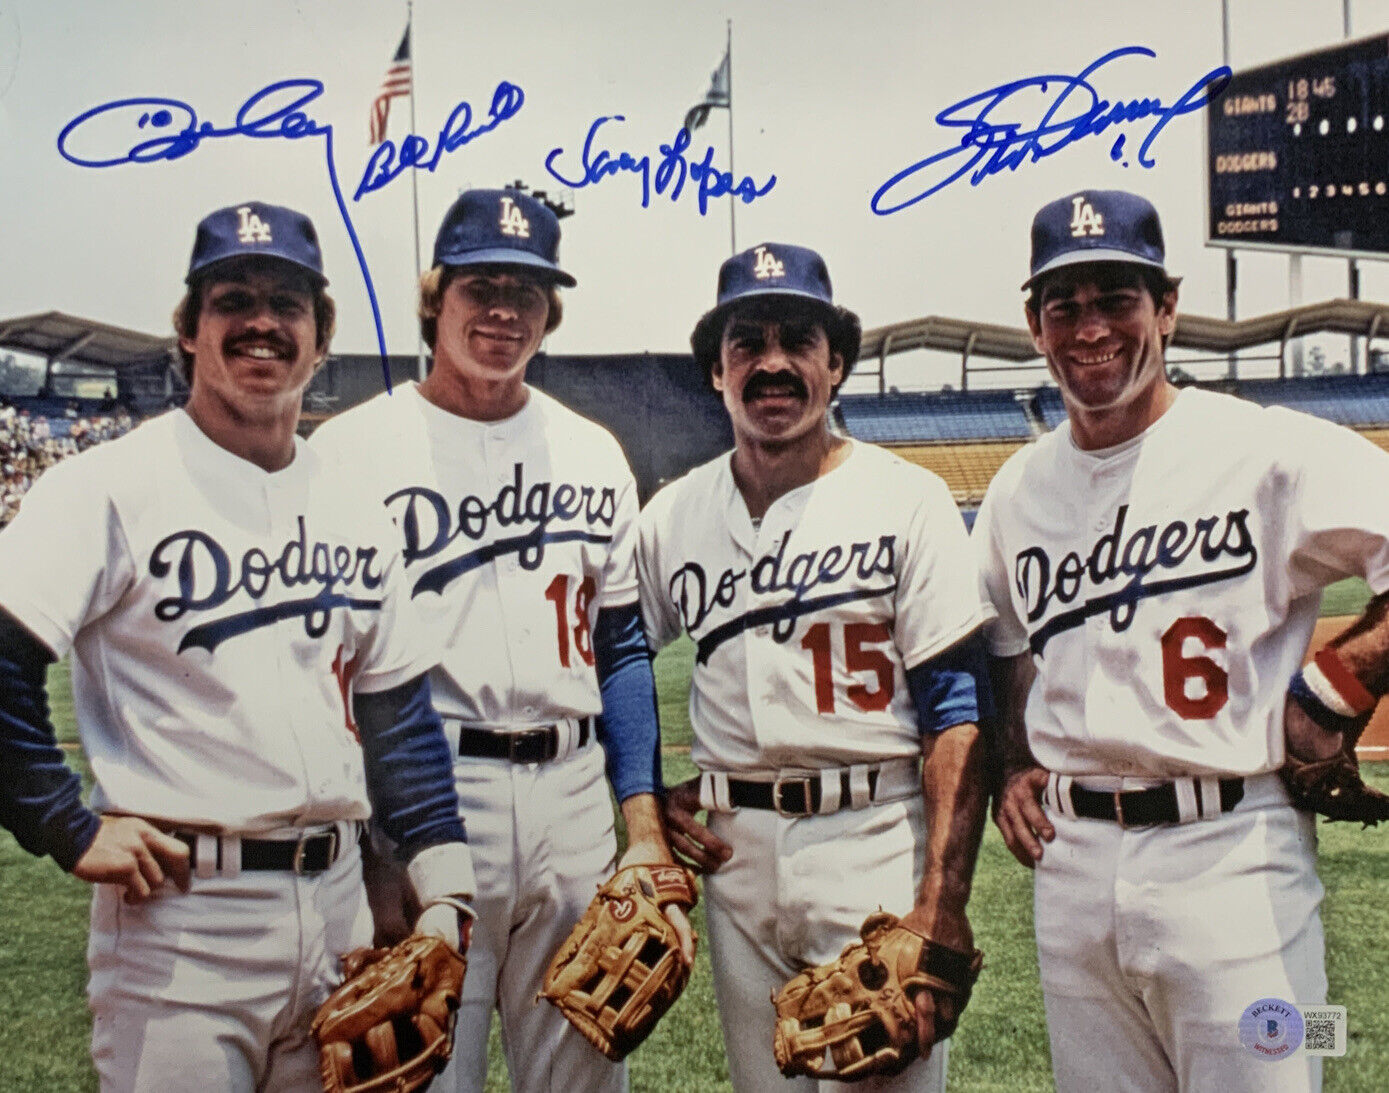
[28, 447]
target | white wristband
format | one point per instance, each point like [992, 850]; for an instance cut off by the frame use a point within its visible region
[441, 871]
[1327, 695]
[445, 919]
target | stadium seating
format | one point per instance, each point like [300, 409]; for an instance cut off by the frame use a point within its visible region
[1355, 401]
[966, 468]
[1049, 406]
[937, 416]
[1346, 400]
[966, 436]
[1378, 437]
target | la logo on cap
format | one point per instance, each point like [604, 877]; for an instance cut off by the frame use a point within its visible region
[253, 229]
[512, 222]
[767, 265]
[1084, 219]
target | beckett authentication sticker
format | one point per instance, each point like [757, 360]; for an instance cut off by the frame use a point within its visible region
[1271, 1029]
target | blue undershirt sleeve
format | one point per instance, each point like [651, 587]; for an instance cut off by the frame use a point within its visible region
[40, 795]
[628, 729]
[409, 767]
[952, 688]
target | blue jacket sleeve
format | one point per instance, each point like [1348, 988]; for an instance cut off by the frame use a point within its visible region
[40, 795]
[952, 688]
[629, 728]
[408, 766]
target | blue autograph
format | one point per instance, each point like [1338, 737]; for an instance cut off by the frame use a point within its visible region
[990, 146]
[169, 129]
[670, 173]
[414, 151]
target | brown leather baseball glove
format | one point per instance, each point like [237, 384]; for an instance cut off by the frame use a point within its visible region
[1333, 787]
[390, 1025]
[620, 969]
[861, 1008]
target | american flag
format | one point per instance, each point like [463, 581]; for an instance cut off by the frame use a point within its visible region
[395, 83]
[719, 94]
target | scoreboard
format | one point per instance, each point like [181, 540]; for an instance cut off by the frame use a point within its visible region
[1298, 154]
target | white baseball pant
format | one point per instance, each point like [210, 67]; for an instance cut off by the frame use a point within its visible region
[1153, 940]
[792, 896]
[542, 841]
[214, 989]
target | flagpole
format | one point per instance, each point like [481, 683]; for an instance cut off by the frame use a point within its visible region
[732, 218]
[423, 368]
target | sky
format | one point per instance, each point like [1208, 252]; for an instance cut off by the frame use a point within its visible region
[830, 98]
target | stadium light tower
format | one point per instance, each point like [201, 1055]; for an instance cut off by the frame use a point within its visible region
[562, 204]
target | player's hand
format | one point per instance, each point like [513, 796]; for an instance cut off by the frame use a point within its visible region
[1304, 738]
[654, 853]
[135, 855]
[926, 1038]
[945, 926]
[1020, 816]
[696, 844]
[390, 895]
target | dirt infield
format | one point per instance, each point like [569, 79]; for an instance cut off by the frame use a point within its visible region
[1375, 743]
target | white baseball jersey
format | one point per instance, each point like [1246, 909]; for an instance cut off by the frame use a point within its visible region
[218, 617]
[515, 533]
[1167, 587]
[805, 625]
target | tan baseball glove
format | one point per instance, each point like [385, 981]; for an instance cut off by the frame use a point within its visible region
[620, 969]
[389, 1027]
[861, 1007]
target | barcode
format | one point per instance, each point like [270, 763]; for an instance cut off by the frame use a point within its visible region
[1320, 1036]
[1323, 1030]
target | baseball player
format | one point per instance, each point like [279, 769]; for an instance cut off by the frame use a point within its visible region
[223, 600]
[1156, 564]
[827, 587]
[518, 522]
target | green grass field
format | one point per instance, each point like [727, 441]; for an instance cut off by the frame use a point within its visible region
[1000, 1046]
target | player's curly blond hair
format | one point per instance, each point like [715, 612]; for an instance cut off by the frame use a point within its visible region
[186, 312]
[435, 282]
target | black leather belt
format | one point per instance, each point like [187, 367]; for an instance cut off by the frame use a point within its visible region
[1143, 807]
[309, 854]
[527, 746]
[795, 795]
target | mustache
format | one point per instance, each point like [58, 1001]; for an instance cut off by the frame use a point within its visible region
[759, 382]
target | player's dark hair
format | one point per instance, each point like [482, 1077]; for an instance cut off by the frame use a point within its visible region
[435, 282]
[186, 312]
[1107, 276]
[842, 329]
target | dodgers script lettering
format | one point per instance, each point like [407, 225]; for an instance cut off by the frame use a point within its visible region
[1129, 562]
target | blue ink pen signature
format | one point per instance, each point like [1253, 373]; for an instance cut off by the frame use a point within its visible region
[180, 132]
[670, 173]
[388, 163]
[991, 145]
[156, 130]
[274, 111]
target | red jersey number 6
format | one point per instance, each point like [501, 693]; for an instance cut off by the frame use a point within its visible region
[1178, 668]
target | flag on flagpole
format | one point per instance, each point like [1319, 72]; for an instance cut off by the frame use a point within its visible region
[717, 95]
[394, 84]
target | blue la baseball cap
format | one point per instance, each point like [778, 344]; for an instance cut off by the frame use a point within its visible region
[1095, 226]
[501, 227]
[774, 269]
[258, 230]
